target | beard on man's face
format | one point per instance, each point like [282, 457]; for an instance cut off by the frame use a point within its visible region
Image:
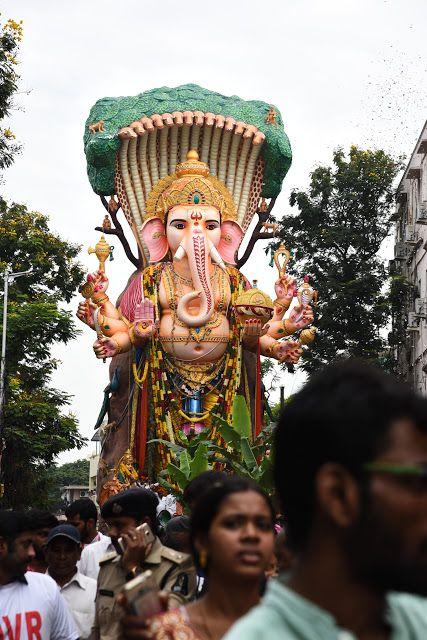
[15, 566]
[382, 555]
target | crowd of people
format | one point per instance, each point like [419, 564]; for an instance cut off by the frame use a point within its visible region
[340, 553]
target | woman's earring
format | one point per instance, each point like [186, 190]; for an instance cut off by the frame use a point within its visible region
[203, 559]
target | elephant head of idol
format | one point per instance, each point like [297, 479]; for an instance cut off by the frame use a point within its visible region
[193, 215]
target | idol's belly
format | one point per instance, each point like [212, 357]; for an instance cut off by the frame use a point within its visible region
[207, 344]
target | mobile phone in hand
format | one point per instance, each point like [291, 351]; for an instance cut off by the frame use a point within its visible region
[142, 596]
[149, 536]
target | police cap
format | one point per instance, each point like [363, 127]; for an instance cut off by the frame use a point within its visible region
[135, 503]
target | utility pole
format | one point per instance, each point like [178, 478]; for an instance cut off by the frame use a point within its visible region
[8, 278]
[282, 398]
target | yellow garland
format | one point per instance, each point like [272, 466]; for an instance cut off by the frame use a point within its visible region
[202, 416]
[142, 379]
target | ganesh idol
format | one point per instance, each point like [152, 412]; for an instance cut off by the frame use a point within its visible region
[189, 327]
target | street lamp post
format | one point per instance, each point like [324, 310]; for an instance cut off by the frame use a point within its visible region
[8, 278]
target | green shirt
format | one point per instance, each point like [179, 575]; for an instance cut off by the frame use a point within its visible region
[284, 615]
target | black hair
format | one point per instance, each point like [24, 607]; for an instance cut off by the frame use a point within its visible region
[12, 524]
[342, 415]
[40, 519]
[84, 507]
[200, 484]
[209, 504]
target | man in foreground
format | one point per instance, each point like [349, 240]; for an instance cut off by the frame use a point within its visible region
[351, 473]
[173, 571]
[31, 607]
[62, 555]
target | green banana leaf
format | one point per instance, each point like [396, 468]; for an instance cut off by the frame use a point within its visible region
[247, 454]
[229, 434]
[184, 463]
[241, 417]
[175, 448]
[199, 463]
[176, 475]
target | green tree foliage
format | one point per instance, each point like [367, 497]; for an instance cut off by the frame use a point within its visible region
[37, 426]
[10, 37]
[340, 223]
[76, 473]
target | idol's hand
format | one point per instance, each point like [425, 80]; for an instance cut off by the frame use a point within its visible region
[286, 288]
[85, 312]
[144, 325]
[105, 348]
[254, 329]
[300, 317]
[289, 351]
[99, 281]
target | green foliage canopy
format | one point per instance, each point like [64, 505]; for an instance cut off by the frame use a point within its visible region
[341, 221]
[36, 428]
[10, 37]
[70, 473]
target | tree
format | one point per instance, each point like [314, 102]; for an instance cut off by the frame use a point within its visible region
[10, 37]
[76, 473]
[36, 428]
[342, 219]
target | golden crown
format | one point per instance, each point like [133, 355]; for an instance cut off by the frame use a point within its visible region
[191, 184]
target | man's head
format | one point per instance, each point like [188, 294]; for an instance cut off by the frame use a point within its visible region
[128, 510]
[41, 522]
[16, 545]
[83, 515]
[345, 448]
[63, 551]
[177, 534]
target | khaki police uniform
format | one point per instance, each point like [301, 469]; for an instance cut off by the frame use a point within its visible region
[173, 571]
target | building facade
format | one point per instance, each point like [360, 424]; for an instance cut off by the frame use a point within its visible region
[73, 492]
[409, 267]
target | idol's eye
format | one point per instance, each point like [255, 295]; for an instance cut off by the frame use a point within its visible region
[178, 224]
[211, 225]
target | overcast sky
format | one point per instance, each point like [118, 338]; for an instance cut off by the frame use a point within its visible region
[341, 72]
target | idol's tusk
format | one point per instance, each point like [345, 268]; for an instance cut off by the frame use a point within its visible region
[179, 253]
[216, 257]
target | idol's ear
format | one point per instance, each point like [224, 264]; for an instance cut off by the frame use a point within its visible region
[231, 237]
[154, 236]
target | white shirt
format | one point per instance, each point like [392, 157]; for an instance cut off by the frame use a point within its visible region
[99, 538]
[79, 593]
[35, 610]
[92, 554]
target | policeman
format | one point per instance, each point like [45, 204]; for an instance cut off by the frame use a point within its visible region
[173, 571]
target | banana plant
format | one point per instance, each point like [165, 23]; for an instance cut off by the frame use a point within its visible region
[238, 453]
[190, 459]
[235, 453]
